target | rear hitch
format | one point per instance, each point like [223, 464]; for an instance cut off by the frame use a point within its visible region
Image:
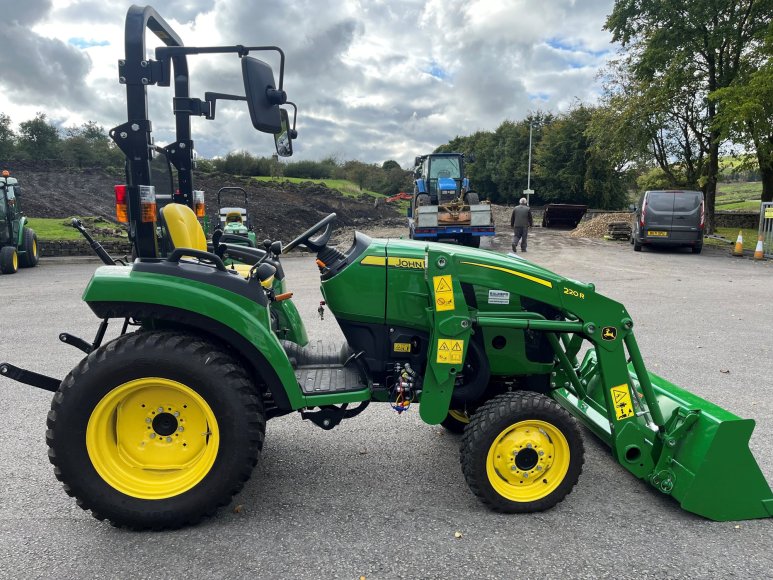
[29, 378]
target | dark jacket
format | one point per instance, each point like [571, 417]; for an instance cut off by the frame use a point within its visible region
[521, 217]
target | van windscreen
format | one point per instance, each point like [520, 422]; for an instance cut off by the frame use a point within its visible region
[687, 200]
[660, 200]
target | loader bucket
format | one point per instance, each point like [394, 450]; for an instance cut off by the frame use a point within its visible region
[700, 456]
[716, 475]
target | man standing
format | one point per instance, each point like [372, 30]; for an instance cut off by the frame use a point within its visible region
[521, 221]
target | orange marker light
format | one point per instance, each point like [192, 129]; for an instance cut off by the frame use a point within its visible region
[121, 212]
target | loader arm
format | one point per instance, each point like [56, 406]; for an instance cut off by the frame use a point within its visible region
[681, 444]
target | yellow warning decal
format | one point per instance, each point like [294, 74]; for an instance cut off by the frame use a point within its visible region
[621, 397]
[402, 347]
[444, 293]
[768, 213]
[403, 262]
[449, 351]
[373, 261]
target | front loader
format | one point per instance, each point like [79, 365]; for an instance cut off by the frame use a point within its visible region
[162, 425]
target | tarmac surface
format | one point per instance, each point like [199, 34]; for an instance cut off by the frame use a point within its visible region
[382, 495]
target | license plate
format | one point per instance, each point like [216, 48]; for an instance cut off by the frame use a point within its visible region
[657, 234]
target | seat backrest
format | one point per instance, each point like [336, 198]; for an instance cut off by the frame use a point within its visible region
[184, 229]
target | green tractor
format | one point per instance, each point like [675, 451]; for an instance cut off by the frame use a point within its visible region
[164, 424]
[18, 242]
[234, 221]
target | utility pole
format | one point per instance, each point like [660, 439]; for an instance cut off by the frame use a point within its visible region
[529, 191]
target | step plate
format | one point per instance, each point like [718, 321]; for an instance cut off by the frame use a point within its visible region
[328, 379]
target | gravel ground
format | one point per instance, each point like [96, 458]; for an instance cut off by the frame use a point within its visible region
[382, 495]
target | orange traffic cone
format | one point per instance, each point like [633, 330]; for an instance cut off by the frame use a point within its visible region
[738, 250]
[758, 255]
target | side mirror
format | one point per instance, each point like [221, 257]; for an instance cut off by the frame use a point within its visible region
[282, 139]
[263, 99]
[417, 161]
[470, 158]
[632, 207]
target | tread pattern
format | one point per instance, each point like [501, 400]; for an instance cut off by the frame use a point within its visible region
[194, 348]
[489, 420]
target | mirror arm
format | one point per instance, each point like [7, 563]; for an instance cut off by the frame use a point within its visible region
[211, 99]
[164, 53]
[293, 133]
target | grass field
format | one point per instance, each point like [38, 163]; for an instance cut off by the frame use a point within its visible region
[348, 188]
[741, 195]
[749, 238]
[60, 229]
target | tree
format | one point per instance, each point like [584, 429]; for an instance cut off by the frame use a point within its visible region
[38, 139]
[575, 168]
[716, 36]
[745, 115]
[7, 138]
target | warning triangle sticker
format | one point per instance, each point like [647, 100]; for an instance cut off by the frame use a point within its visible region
[444, 346]
[443, 286]
[619, 395]
[456, 347]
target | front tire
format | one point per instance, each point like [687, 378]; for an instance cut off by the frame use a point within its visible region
[30, 244]
[521, 453]
[9, 260]
[155, 430]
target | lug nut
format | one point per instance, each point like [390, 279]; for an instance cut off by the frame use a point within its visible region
[181, 429]
[147, 420]
[160, 410]
[168, 439]
[152, 435]
[177, 413]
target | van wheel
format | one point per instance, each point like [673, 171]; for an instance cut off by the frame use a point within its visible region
[636, 246]
[697, 249]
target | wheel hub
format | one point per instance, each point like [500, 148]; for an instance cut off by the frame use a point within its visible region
[164, 424]
[527, 460]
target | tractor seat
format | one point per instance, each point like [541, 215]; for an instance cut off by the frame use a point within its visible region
[185, 231]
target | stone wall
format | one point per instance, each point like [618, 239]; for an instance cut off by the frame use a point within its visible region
[48, 249]
[737, 219]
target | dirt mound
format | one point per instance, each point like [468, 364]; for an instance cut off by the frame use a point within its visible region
[599, 225]
[278, 210]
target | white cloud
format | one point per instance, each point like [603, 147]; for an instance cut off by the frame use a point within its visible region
[373, 79]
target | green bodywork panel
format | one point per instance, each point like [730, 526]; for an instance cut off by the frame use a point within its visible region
[244, 316]
[291, 325]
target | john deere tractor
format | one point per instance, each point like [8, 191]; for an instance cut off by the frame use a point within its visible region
[18, 242]
[164, 424]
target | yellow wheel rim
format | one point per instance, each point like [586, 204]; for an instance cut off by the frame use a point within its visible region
[15, 261]
[34, 248]
[152, 438]
[527, 461]
[460, 416]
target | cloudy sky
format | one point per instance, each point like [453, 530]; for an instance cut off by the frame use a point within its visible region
[373, 79]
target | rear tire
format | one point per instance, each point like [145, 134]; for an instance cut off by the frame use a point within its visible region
[697, 249]
[471, 198]
[521, 453]
[9, 260]
[155, 430]
[422, 199]
[636, 245]
[473, 241]
[30, 244]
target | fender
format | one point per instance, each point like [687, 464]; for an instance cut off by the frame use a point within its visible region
[194, 295]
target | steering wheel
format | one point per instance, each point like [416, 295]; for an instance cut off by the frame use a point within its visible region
[317, 243]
